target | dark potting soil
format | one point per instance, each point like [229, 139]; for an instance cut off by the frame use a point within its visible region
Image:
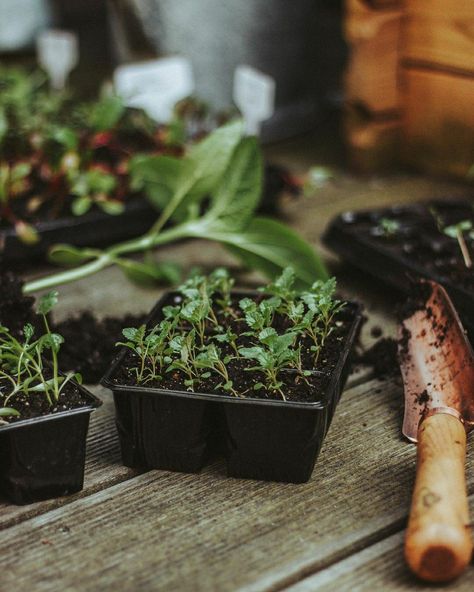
[15, 309]
[89, 345]
[37, 405]
[381, 357]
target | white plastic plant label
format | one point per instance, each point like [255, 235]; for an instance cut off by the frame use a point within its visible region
[254, 95]
[58, 54]
[155, 86]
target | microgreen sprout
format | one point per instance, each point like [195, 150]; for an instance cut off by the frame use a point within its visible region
[458, 231]
[388, 227]
[272, 355]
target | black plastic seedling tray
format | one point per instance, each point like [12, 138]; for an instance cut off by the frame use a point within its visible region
[94, 229]
[44, 457]
[418, 248]
[270, 440]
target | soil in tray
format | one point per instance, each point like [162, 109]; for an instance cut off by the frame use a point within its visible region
[417, 237]
[36, 405]
[295, 387]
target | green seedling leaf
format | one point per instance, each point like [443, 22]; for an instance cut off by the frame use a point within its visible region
[27, 233]
[149, 274]
[8, 411]
[28, 331]
[69, 256]
[106, 113]
[66, 137]
[47, 302]
[3, 124]
[113, 207]
[81, 205]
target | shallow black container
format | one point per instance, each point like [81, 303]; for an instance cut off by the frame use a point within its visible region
[351, 235]
[94, 229]
[263, 439]
[43, 457]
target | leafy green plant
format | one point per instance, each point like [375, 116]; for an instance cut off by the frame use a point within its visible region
[272, 356]
[30, 366]
[213, 196]
[150, 348]
[322, 308]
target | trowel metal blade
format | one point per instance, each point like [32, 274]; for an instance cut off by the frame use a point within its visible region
[436, 360]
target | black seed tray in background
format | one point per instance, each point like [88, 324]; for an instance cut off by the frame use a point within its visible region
[94, 229]
[270, 440]
[417, 250]
[43, 457]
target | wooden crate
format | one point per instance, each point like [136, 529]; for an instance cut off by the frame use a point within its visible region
[371, 75]
[438, 121]
[439, 33]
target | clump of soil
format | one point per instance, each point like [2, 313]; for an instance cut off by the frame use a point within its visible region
[90, 343]
[15, 309]
[418, 297]
[381, 357]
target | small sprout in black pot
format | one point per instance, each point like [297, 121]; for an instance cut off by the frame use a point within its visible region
[457, 231]
[26, 369]
[387, 227]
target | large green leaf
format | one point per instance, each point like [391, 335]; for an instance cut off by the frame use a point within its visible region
[238, 194]
[266, 245]
[156, 176]
[202, 170]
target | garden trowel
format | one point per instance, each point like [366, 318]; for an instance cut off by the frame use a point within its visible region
[437, 364]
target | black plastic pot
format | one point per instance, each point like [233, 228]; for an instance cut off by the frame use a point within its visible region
[351, 235]
[44, 457]
[270, 440]
[94, 229]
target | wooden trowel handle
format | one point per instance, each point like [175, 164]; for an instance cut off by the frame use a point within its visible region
[438, 544]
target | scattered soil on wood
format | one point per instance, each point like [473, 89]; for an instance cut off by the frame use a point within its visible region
[89, 345]
[381, 357]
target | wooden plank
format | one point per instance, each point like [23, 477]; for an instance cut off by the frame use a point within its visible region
[378, 567]
[172, 531]
[103, 466]
[373, 144]
[438, 121]
[371, 73]
[439, 33]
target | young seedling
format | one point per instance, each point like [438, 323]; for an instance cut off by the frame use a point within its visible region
[322, 309]
[210, 358]
[259, 316]
[23, 363]
[283, 288]
[274, 354]
[457, 231]
[388, 227]
[150, 348]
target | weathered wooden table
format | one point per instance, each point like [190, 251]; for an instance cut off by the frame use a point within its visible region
[158, 530]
